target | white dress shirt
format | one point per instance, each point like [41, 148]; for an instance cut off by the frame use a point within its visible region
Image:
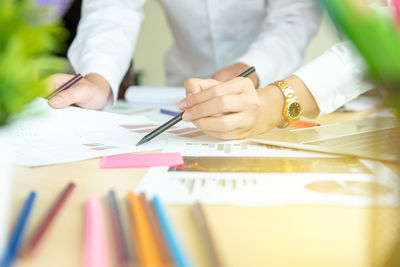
[209, 35]
[336, 77]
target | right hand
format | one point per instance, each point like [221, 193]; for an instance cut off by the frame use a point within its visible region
[91, 92]
[232, 109]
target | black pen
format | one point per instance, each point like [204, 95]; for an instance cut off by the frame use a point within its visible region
[178, 117]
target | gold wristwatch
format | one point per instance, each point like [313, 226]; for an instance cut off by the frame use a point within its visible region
[292, 107]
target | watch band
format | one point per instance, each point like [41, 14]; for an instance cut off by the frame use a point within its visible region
[292, 107]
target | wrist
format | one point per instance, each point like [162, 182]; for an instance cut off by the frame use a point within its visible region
[309, 105]
[272, 102]
[100, 82]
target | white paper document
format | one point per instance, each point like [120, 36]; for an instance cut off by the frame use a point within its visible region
[154, 96]
[260, 175]
[207, 146]
[47, 136]
[362, 103]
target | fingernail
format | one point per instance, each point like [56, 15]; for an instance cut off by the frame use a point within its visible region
[182, 104]
[56, 100]
[187, 116]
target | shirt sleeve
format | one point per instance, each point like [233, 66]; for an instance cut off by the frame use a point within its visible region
[336, 77]
[106, 38]
[280, 46]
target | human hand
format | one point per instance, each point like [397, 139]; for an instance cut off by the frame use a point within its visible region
[233, 71]
[231, 110]
[91, 92]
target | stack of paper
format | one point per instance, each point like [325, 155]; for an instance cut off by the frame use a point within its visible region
[49, 136]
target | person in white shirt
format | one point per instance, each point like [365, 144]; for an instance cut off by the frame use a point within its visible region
[235, 109]
[218, 39]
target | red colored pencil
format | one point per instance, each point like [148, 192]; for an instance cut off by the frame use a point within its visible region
[47, 220]
[66, 85]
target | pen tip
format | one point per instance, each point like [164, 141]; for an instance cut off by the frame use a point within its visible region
[141, 142]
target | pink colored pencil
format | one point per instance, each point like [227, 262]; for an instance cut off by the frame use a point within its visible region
[96, 252]
[396, 4]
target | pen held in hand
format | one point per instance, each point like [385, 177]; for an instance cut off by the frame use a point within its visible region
[178, 117]
[65, 86]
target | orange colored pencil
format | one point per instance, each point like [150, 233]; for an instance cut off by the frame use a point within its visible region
[147, 247]
[157, 231]
[305, 124]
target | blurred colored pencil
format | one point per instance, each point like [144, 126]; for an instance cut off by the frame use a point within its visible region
[157, 232]
[18, 231]
[169, 112]
[47, 220]
[96, 251]
[179, 255]
[204, 229]
[305, 124]
[148, 252]
[118, 230]
[396, 4]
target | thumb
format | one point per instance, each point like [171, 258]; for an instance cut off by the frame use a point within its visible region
[70, 96]
[195, 86]
[55, 81]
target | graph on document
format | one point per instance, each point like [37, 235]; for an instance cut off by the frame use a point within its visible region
[187, 132]
[270, 165]
[225, 148]
[207, 146]
[192, 184]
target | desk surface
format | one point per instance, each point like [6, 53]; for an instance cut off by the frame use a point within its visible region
[301, 235]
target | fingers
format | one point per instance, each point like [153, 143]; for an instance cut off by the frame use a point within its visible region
[74, 95]
[55, 81]
[215, 106]
[235, 86]
[91, 92]
[195, 86]
[223, 124]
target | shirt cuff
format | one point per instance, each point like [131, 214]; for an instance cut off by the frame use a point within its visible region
[335, 78]
[107, 68]
[257, 59]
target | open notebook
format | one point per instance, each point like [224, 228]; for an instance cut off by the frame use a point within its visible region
[375, 138]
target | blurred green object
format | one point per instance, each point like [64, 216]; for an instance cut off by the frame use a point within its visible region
[27, 41]
[375, 34]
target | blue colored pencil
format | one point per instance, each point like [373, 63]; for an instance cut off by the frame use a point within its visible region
[169, 112]
[179, 255]
[14, 242]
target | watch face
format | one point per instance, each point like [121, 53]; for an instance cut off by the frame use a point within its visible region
[294, 110]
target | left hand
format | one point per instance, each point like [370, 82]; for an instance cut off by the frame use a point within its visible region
[233, 71]
[230, 110]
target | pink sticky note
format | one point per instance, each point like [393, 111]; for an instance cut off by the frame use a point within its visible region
[142, 160]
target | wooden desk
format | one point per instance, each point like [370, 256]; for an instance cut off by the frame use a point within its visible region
[301, 235]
